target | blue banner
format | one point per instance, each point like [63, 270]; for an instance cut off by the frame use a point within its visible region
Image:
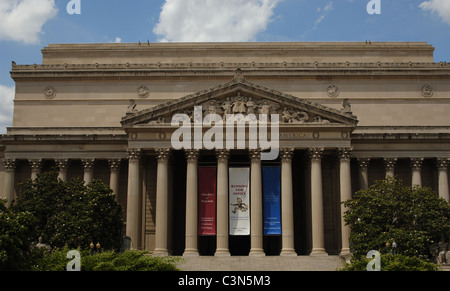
[272, 200]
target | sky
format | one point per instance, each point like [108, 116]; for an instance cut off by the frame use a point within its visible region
[26, 26]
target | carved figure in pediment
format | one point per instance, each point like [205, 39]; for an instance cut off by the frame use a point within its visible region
[265, 108]
[251, 105]
[227, 106]
[286, 116]
[239, 106]
[300, 117]
[347, 107]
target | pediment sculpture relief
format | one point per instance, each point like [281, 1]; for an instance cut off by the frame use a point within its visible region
[250, 107]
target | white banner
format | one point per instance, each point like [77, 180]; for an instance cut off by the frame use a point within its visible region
[239, 198]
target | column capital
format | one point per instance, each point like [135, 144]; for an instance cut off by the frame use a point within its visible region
[255, 154]
[363, 163]
[442, 163]
[222, 155]
[9, 164]
[344, 153]
[416, 163]
[287, 154]
[316, 153]
[35, 164]
[389, 163]
[114, 164]
[134, 155]
[163, 155]
[88, 163]
[192, 155]
[62, 164]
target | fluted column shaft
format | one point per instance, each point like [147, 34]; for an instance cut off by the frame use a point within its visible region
[318, 240]
[191, 248]
[346, 194]
[416, 167]
[442, 164]
[10, 167]
[162, 206]
[287, 204]
[256, 208]
[133, 220]
[222, 203]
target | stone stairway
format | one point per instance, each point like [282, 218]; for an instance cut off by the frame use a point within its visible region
[268, 263]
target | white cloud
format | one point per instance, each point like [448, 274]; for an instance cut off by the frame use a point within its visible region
[22, 20]
[324, 12]
[214, 20]
[442, 7]
[6, 107]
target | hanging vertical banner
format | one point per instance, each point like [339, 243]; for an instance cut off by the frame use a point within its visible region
[239, 197]
[272, 200]
[207, 201]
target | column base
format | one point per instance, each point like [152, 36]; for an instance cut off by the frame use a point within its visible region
[160, 253]
[191, 253]
[222, 253]
[256, 253]
[318, 253]
[288, 253]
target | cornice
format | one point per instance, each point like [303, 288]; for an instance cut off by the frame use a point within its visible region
[224, 70]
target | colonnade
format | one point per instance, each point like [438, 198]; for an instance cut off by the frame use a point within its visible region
[222, 156]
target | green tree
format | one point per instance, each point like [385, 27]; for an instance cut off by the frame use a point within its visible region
[387, 212]
[17, 230]
[71, 213]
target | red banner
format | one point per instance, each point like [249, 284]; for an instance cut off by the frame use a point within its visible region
[207, 200]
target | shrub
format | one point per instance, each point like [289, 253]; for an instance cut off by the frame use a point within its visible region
[71, 213]
[388, 211]
[105, 261]
[390, 262]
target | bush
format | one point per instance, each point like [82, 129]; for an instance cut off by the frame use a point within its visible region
[17, 230]
[71, 213]
[388, 211]
[105, 261]
[390, 262]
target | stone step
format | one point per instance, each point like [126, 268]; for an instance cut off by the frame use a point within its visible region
[268, 263]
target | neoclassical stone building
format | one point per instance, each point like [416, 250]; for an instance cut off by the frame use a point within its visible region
[349, 114]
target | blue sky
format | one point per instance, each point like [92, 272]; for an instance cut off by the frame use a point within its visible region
[25, 29]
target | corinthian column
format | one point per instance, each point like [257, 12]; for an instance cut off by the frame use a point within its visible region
[133, 220]
[10, 167]
[287, 204]
[416, 166]
[256, 208]
[88, 165]
[318, 241]
[389, 165]
[191, 204]
[346, 194]
[114, 168]
[62, 165]
[442, 164]
[35, 165]
[363, 165]
[162, 203]
[222, 203]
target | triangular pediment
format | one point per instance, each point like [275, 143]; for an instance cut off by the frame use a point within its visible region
[240, 96]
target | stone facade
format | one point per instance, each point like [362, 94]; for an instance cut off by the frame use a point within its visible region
[350, 114]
